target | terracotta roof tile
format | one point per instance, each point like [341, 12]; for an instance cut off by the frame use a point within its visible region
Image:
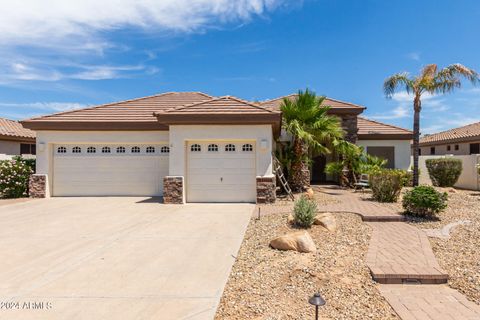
[367, 127]
[14, 129]
[333, 103]
[465, 133]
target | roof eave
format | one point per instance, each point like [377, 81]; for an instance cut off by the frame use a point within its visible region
[448, 141]
[94, 125]
[385, 136]
[16, 138]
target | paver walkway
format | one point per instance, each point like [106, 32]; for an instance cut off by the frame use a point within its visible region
[348, 202]
[432, 302]
[399, 252]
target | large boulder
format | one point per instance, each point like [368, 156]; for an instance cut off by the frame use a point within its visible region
[300, 241]
[326, 220]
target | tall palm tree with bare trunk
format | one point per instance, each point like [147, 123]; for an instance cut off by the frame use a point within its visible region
[430, 80]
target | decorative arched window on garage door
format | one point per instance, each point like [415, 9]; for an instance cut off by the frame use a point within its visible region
[165, 149]
[195, 148]
[61, 150]
[76, 150]
[135, 149]
[120, 149]
[212, 147]
[247, 147]
[91, 150]
[106, 150]
[230, 147]
[150, 149]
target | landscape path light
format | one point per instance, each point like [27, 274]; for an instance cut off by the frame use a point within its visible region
[316, 301]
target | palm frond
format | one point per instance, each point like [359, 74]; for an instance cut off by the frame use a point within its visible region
[399, 80]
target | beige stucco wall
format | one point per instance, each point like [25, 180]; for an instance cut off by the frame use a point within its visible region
[47, 139]
[9, 147]
[463, 149]
[180, 134]
[402, 150]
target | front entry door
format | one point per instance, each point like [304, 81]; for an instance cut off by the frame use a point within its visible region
[318, 169]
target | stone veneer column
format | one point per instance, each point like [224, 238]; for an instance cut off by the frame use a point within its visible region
[173, 190]
[37, 186]
[349, 124]
[266, 189]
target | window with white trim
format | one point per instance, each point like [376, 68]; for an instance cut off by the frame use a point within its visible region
[247, 147]
[91, 150]
[135, 149]
[76, 150]
[150, 149]
[165, 149]
[195, 148]
[230, 147]
[61, 150]
[106, 150]
[120, 149]
[212, 147]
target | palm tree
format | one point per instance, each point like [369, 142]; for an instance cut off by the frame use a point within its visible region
[306, 119]
[432, 81]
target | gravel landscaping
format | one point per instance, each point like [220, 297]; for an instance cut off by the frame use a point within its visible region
[271, 284]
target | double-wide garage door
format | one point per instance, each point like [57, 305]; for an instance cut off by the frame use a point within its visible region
[221, 171]
[109, 169]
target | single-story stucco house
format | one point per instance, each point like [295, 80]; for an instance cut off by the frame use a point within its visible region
[186, 146]
[458, 141]
[15, 139]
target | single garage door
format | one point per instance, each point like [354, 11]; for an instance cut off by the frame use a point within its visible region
[221, 171]
[109, 170]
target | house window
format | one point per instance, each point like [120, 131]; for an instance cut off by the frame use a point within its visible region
[106, 150]
[165, 149]
[61, 150]
[76, 150]
[212, 148]
[120, 149]
[150, 149]
[91, 150]
[432, 150]
[230, 147]
[456, 147]
[135, 149]
[449, 148]
[247, 147]
[419, 151]
[195, 148]
[474, 148]
[27, 148]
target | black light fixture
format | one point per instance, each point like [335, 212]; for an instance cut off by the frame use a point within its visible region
[316, 301]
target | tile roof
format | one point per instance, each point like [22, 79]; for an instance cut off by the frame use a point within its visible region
[370, 128]
[133, 110]
[333, 103]
[465, 133]
[14, 129]
[221, 105]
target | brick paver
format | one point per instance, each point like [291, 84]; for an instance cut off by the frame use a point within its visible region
[431, 302]
[349, 202]
[400, 252]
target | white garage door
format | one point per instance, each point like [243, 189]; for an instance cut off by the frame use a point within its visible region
[221, 171]
[109, 170]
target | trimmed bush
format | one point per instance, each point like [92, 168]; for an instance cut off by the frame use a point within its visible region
[424, 201]
[444, 172]
[386, 184]
[304, 212]
[14, 175]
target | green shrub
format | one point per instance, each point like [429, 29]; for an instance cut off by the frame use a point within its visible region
[444, 172]
[386, 184]
[14, 175]
[304, 212]
[424, 201]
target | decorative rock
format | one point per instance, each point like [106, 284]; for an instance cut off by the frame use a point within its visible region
[444, 233]
[290, 219]
[326, 220]
[37, 186]
[300, 241]
[452, 190]
[266, 189]
[173, 190]
[309, 193]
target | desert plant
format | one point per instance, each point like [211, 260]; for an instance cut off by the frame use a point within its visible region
[424, 201]
[386, 184]
[304, 212]
[307, 120]
[14, 175]
[429, 81]
[444, 172]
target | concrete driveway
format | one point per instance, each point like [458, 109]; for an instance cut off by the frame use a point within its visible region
[116, 258]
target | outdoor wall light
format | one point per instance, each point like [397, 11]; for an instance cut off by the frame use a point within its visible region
[263, 144]
[41, 146]
[316, 301]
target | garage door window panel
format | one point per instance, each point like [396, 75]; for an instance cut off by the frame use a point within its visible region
[230, 148]
[91, 150]
[76, 150]
[135, 149]
[195, 148]
[165, 150]
[247, 147]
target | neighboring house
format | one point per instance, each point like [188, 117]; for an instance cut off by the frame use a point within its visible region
[15, 139]
[186, 146]
[459, 141]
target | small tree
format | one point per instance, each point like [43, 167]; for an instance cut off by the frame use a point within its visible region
[444, 172]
